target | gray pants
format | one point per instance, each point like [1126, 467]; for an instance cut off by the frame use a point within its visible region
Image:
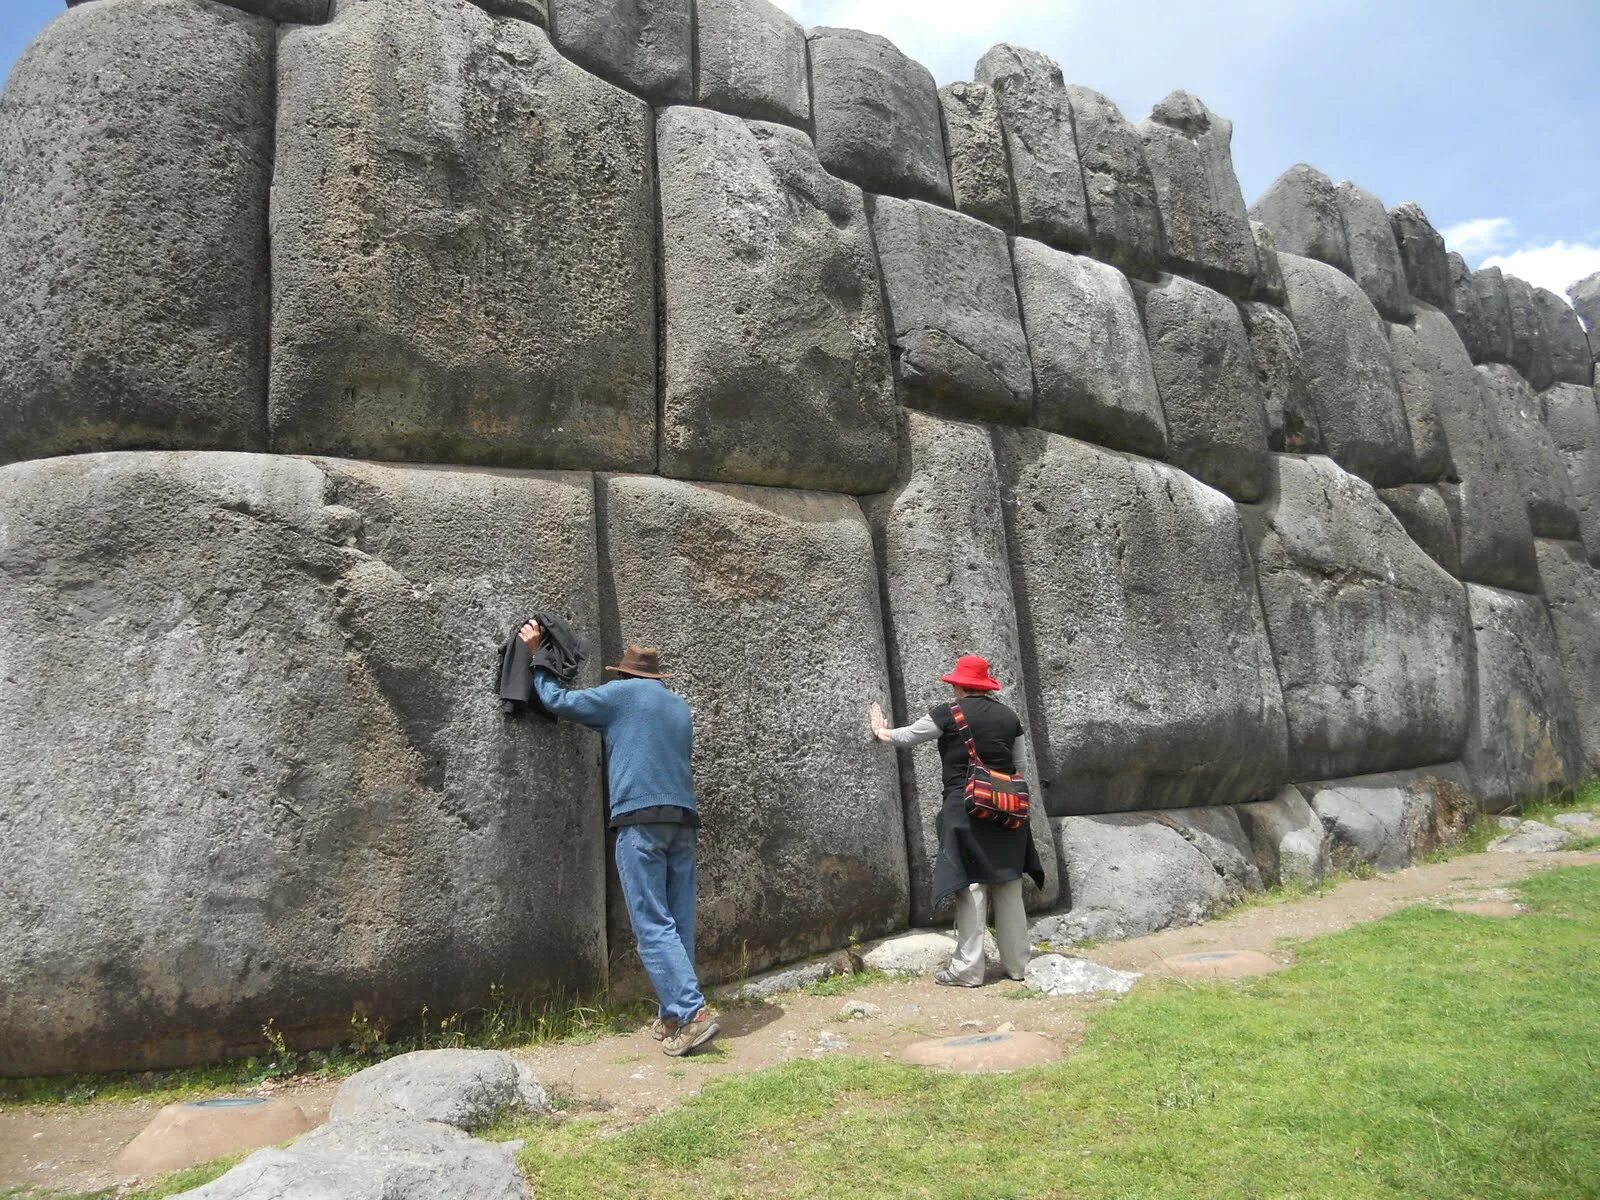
[1010, 930]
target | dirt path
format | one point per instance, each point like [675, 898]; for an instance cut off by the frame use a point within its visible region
[74, 1149]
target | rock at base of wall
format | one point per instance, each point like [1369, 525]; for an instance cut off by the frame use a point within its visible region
[467, 1089]
[1538, 468]
[1287, 839]
[1275, 348]
[1390, 820]
[1374, 257]
[1301, 208]
[294, 712]
[980, 169]
[1572, 416]
[1426, 515]
[1124, 213]
[1422, 251]
[752, 61]
[1572, 590]
[1151, 651]
[645, 46]
[777, 370]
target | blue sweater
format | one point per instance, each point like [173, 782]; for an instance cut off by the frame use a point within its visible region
[648, 731]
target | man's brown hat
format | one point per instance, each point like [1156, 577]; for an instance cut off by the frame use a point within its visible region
[640, 661]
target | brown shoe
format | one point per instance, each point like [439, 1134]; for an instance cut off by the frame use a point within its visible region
[662, 1028]
[692, 1034]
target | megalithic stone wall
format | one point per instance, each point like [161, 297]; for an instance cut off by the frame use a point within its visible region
[337, 337]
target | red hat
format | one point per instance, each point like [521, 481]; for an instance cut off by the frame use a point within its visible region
[972, 672]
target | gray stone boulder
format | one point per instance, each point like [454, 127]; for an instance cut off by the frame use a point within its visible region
[1564, 339]
[777, 368]
[1421, 508]
[1493, 304]
[739, 587]
[1269, 286]
[955, 329]
[1210, 393]
[294, 716]
[1370, 634]
[1423, 254]
[1037, 119]
[920, 952]
[1374, 256]
[751, 61]
[1301, 208]
[975, 147]
[646, 46]
[447, 288]
[376, 1156]
[1280, 373]
[1422, 394]
[1349, 372]
[1390, 820]
[1573, 420]
[1151, 651]
[945, 580]
[136, 150]
[1135, 873]
[1524, 742]
[1124, 211]
[1091, 363]
[1466, 310]
[536, 11]
[469, 1089]
[1539, 468]
[1572, 593]
[1057, 975]
[1189, 151]
[875, 114]
[1530, 353]
[1287, 839]
[302, 12]
[1585, 296]
[1530, 837]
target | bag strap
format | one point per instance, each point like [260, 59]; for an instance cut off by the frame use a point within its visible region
[966, 732]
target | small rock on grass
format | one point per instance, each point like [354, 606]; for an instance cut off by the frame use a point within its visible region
[859, 1010]
[1531, 837]
[1578, 818]
[1508, 822]
[464, 1088]
[1058, 975]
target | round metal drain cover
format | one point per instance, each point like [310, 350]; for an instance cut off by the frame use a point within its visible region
[984, 1052]
[1223, 964]
[228, 1102]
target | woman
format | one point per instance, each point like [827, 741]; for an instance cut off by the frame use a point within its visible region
[980, 862]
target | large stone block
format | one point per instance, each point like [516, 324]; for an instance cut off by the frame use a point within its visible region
[946, 581]
[777, 366]
[1286, 837]
[646, 46]
[1090, 360]
[1374, 257]
[752, 61]
[875, 113]
[1571, 416]
[1564, 339]
[1269, 286]
[739, 587]
[1466, 310]
[975, 145]
[1423, 253]
[1216, 423]
[1149, 652]
[1045, 171]
[136, 150]
[1391, 820]
[1286, 400]
[1530, 353]
[1301, 208]
[955, 330]
[1524, 742]
[1422, 384]
[1349, 372]
[460, 273]
[302, 12]
[1538, 468]
[1428, 520]
[1493, 303]
[1124, 212]
[1585, 296]
[1370, 634]
[1189, 149]
[293, 795]
[1572, 591]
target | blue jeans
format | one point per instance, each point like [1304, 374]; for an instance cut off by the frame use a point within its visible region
[657, 868]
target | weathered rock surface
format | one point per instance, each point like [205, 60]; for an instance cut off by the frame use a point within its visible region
[1124, 212]
[371, 832]
[1466, 310]
[1286, 400]
[447, 288]
[875, 114]
[975, 147]
[1422, 384]
[1390, 820]
[1423, 254]
[1573, 420]
[379, 1156]
[722, 579]
[1563, 338]
[942, 549]
[1426, 515]
[1045, 171]
[1530, 353]
[1585, 296]
[1301, 208]
[752, 61]
[1189, 151]
[787, 979]
[1524, 741]
[1269, 285]
[1056, 975]
[1530, 837]
[1349, 372]
[921, 952]
[136, 149]
[1206, 376]
[304, 12]
[537, 11]
[1150, 654]
[1539, 469]
[1488, 288]
[1572, 593]
[1091, 363]
[1370, 634]
[955, 330]
[468, 1089]
[1374, 256]
[1287, 839]
[646, 46]
[777, 371]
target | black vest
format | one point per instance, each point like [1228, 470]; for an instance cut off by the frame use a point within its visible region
[995, 729]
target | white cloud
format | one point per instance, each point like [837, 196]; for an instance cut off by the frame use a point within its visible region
[1556, 266]
[1484, 235]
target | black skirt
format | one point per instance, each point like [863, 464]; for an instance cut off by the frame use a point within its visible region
[979, 851]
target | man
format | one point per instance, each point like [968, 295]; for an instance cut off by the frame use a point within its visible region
[648, 731]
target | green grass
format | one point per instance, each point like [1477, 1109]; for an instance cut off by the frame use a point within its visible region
[1486, 827]
[1426, 1056]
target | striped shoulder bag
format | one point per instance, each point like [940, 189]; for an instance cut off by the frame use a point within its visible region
[991, 795]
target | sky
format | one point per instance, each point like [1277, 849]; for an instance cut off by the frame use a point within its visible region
[1482, 111]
